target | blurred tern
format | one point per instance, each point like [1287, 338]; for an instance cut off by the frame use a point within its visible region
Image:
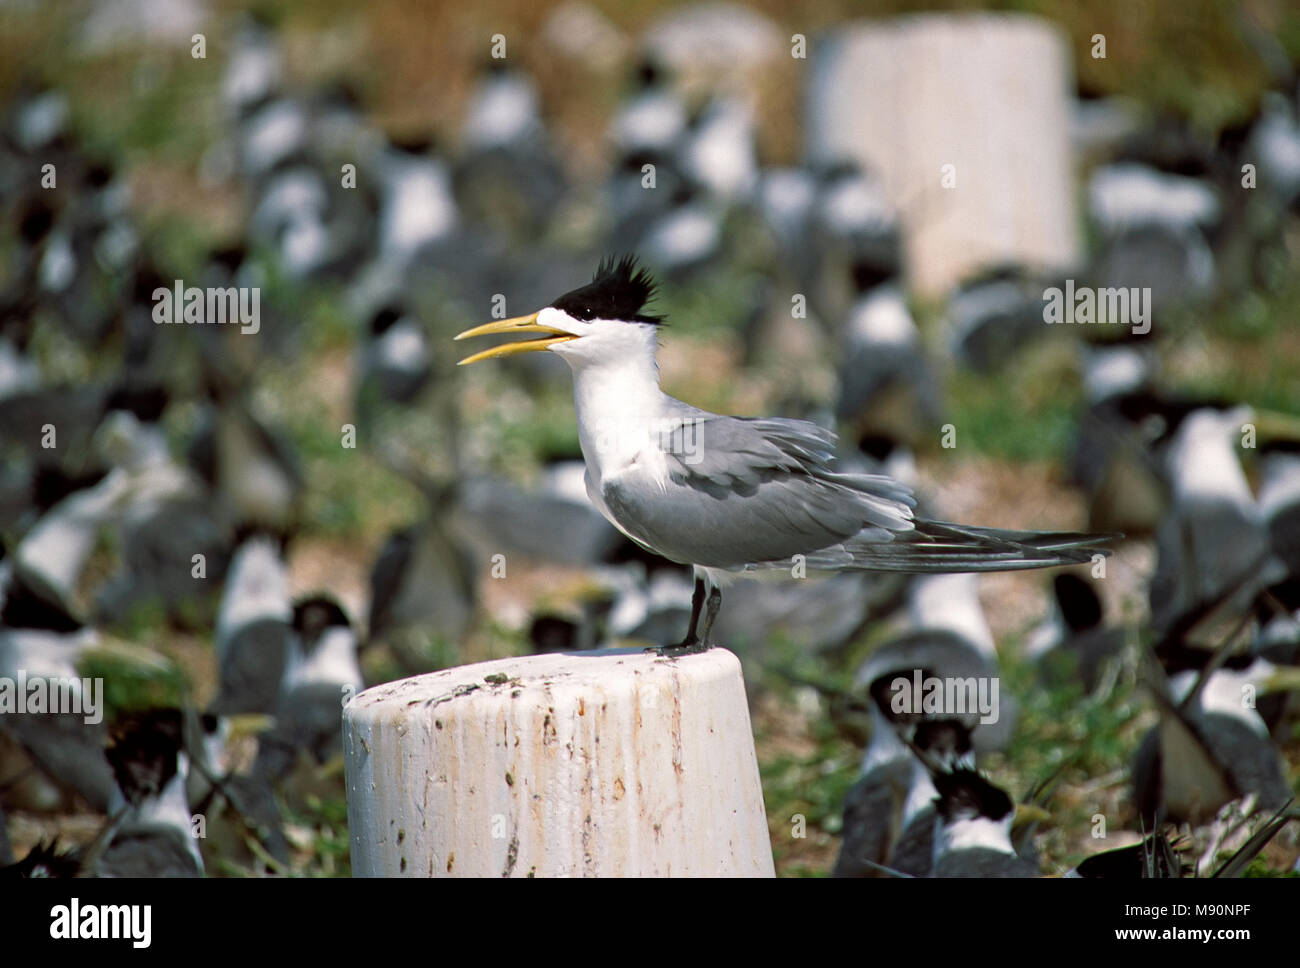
[735, 494]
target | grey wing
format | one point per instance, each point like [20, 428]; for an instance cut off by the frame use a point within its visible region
[68, 750]
[1252, 762]
[983, 862]
[252, 667]
[745, 491]
[871, 809]
[156, 851]
[751, 493]
[914, 852]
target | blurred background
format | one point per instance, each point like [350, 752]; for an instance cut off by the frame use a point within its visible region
[854, 212]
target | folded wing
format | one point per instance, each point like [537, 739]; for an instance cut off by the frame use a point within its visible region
[750, 494]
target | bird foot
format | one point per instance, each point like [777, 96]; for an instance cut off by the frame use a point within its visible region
[690, 646]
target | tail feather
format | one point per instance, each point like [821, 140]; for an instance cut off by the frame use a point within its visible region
[940, 547]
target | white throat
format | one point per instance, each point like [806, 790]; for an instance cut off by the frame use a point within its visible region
[257, 588]
[885, 746]
[920, 794]
[1279, 488]
[332, 662]
[973, 832]
[170, 808]
[1204, 462]
[618, 404]
[1225, 692]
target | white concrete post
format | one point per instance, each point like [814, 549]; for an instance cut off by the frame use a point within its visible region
[619, 763]
[989, 95]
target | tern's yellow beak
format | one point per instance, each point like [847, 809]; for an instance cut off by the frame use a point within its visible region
[249, 724]
[520, 324]
[1274, 426]
[1027, 813]
[1281, 679]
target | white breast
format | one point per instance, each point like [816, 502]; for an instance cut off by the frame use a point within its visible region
[257, 588]
[332, 662]
[975, 832]
[1204, 462]
[951, 602]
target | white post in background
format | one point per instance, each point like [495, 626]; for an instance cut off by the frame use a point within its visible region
[619, 763]
[989, 95]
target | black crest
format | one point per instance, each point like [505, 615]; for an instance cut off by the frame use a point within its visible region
[143, 754]
[619, 291]
[964, 794]
[947, 740]
[45, 860]
[882, 692]
[1079, 604]
[313, 615]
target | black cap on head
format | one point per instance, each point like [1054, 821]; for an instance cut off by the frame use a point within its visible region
[870, 273]
[1279, 445]
[35, 222]
[882, 693]
[25, 607]
[877, 446]
[1079, 604]
[964, 795]
[45, 860]
[635, 162]
[99, 174]
[1168, 411]
[554, 633]
[146, 402]
[384, 318]
[945, 739]
[143, 755]
[649, 72]
[53, 482]
[418, 143]
[229, 257]
[619, 291]
[313, 615]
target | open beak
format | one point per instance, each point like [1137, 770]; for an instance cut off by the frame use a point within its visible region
[520, 324]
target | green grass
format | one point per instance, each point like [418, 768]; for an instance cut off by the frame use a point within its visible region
[136, 686]
[331, 848]
[1028, 413]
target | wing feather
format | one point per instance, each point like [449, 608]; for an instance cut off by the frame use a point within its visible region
[751, 493]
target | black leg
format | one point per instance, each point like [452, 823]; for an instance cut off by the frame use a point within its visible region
[710, 613]
[697, 642]
[697, 604]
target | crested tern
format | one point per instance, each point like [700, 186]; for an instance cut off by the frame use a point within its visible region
[972, 829]
[731, 495]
